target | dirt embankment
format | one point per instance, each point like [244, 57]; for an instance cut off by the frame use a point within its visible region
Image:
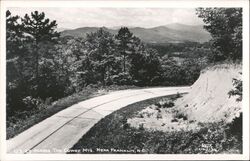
[208, 100]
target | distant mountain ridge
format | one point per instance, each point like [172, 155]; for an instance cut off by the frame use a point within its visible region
[171, 33]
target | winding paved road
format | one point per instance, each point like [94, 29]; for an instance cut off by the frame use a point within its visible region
[61, 131]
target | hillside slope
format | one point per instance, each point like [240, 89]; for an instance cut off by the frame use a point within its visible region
[172, 33]
[208, 100]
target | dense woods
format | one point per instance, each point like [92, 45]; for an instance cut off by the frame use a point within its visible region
[43, 66]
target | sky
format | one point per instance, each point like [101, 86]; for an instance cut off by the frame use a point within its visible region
[72, 18]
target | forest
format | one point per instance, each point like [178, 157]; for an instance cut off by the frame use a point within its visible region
[44, 66]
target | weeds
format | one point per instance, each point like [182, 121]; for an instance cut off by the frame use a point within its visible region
[209, 138]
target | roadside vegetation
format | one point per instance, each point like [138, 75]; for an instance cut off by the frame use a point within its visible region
[22, 120]
[113, 134]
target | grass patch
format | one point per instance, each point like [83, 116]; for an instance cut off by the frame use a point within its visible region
[20, 121]
[113, 134]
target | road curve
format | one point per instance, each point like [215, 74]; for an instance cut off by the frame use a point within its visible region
[61, 131]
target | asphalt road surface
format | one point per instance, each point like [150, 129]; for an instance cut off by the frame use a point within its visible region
[61, 131]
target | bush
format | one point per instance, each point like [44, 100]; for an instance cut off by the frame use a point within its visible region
[174, 120]
[237, 83]
[141, 126]
[31, 102]
[181, 116]
[235, 127]
[121, 79]
[168, 104]
[159, 116]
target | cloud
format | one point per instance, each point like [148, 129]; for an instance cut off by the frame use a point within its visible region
[110, 17]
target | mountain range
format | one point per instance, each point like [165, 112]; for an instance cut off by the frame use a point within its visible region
[171, 33]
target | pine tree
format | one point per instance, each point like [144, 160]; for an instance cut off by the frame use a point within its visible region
[14, 62]
[125, 41]
[101, 53]
[41, 33]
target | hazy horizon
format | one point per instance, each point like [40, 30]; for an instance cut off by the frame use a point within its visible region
[117, 27]
[72, 18]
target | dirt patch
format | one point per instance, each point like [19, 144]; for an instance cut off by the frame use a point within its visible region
[162, 116]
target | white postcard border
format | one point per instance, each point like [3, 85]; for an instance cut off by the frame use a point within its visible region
[129, 4]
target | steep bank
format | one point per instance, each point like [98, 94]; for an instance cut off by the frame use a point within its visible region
[208, 100]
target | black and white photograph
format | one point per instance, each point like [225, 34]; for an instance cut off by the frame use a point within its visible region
[125, 80]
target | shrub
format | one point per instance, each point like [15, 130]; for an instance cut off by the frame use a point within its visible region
[158, 104]
[178, 95]
[141, 126]
[164, 104]
[140, 115]
[31, 102]
[125, 125]
[159, 116]
[174, 120]
[123, 78]
[235, 127]
[237, 83]
[181, 116]
[168, 104]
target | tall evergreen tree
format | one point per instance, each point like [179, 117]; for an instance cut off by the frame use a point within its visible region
[101, 52]
[15, 50]
[125, 38]
[42, 35]
[14, 35]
